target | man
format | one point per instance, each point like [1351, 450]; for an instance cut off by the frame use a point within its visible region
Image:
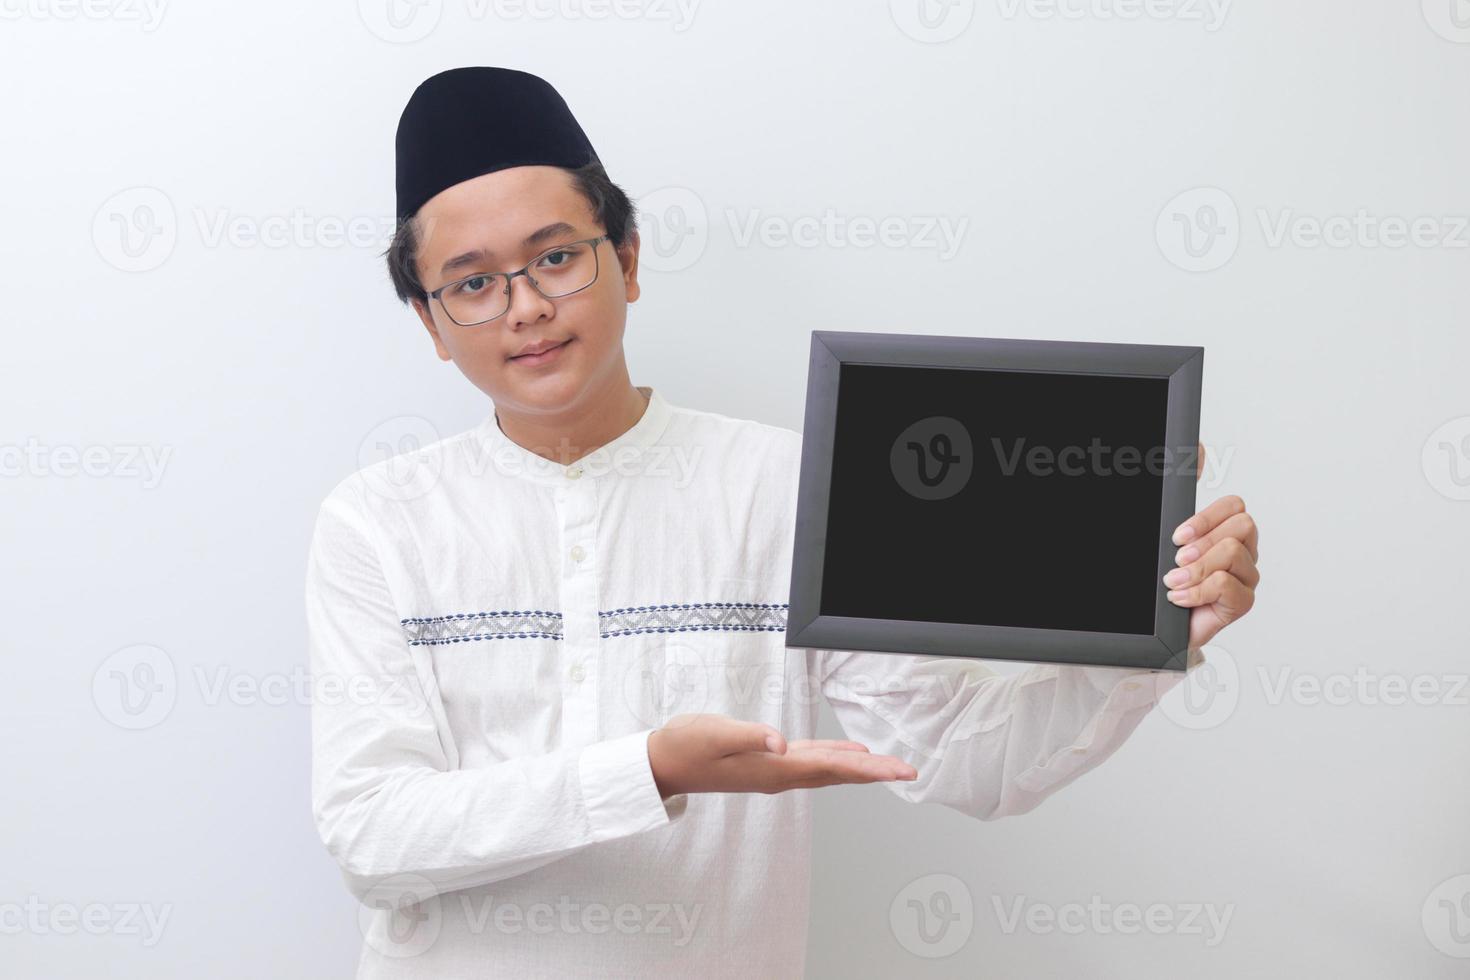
[576, 730]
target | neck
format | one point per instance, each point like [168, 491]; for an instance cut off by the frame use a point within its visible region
[567, 436]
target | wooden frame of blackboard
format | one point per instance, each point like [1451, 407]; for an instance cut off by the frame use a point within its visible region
[1165, 649]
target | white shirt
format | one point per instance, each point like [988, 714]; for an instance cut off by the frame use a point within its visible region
[493, 637]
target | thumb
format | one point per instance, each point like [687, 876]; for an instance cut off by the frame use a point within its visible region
[754, 737]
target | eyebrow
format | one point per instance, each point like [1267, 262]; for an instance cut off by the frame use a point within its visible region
[480, 255]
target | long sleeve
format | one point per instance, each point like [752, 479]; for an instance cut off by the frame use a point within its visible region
[389, 800]
[986, 744]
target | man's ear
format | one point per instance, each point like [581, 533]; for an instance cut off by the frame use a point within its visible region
[421, 307]
[628, 260]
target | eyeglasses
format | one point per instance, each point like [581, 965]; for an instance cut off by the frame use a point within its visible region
[555, 273]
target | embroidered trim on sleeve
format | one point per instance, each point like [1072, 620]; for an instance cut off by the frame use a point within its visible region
[463, 627]
[679, 617]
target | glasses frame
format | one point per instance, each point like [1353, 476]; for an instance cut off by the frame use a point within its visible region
[523, 271]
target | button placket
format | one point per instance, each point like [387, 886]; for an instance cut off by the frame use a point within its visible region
[577, 510]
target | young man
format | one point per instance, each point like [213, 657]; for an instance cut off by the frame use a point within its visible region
[571, 732]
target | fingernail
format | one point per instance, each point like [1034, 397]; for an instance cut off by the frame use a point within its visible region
[773, 743]
[1186, 555]
[1183, 533]
[908, 772]
[1175, 595]
[1177, 577]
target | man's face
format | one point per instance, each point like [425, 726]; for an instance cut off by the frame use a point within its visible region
[495, 214]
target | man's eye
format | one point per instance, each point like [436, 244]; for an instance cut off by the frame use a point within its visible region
[546, 259]
[474, 284]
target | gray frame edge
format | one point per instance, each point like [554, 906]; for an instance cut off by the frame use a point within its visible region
[1181, 431]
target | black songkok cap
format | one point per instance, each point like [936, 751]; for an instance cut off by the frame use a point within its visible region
[466, 122]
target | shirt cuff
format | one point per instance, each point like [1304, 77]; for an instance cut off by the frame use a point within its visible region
[619, 791]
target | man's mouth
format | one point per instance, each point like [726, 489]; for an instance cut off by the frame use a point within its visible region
[543, 355]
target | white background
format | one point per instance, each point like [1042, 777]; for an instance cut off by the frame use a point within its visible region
[1072, 147]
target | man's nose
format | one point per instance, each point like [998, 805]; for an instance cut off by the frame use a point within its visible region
[527, 305]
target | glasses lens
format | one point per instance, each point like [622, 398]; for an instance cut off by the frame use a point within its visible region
[475, 299]
[565, 269]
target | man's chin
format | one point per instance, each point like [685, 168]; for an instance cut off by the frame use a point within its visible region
[541, 393]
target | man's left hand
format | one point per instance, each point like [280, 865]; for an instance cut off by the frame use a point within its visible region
[1217, 575]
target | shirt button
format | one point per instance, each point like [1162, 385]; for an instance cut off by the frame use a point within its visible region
[578, 554]
[1131, 686]
[1079, 751]
[573, 472]
[577, 673]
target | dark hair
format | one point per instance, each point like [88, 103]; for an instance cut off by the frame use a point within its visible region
[611, 206]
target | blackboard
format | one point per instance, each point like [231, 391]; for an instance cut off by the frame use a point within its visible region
[991, 498]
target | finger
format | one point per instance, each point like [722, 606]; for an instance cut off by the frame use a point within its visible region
[1208, 519]
[864, 767]
[1231, 597]
[1240, 526]
[1199, 466]
[822, 743]
[826, 767]
[808, 769]
[1228, 555]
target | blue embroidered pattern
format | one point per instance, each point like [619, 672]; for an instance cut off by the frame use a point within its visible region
[463, 627]
[693, 616]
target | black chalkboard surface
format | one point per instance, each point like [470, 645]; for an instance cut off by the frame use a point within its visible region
[1001, 499]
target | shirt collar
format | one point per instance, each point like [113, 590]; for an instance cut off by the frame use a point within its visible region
[618, 456]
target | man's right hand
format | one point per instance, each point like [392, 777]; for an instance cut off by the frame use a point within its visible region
[698, 753]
